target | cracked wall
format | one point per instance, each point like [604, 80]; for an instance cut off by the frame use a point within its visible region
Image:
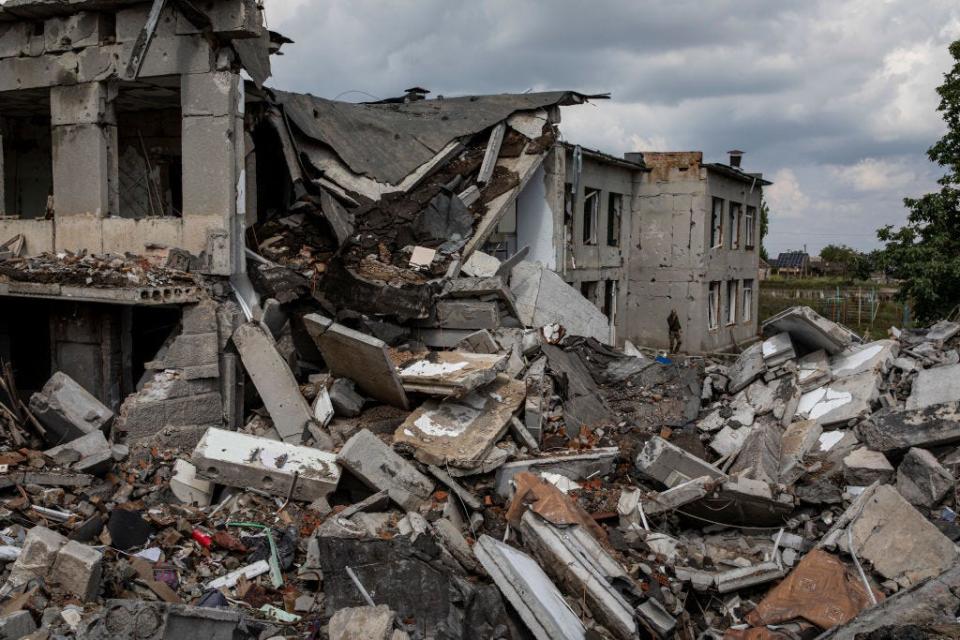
[672, 263]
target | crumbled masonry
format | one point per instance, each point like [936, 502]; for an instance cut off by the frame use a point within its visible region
[452, 517]
[311, 397]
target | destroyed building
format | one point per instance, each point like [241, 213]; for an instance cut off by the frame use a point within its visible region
[697, 250]
[119, 138]
[642, 235]
[275, 366]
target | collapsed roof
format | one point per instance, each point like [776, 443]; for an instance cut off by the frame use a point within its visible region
[391, 176]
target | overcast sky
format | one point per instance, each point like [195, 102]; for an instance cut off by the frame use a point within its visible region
[832, 100]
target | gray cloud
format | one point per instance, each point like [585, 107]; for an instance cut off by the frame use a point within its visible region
[834, 97]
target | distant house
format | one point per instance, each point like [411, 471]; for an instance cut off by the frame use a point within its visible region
[792, 263]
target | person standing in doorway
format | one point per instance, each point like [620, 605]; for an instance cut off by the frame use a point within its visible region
[676, 331]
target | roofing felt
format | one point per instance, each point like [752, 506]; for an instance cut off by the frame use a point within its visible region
[389, 141]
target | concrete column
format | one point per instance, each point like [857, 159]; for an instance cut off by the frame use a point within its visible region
[84, 149]
[213, 165]
[555, 179]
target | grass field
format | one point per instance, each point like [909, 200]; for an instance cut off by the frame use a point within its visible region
[867, 308]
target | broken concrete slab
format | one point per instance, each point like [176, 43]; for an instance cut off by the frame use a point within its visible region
[759, 457]
[451, 373]
[582, 567]
[744, 577]
[936, 385]
[461, 432]
[412, 577]
[862, 467]
[922, 480]
[469, 499]
[671, 465]
[354, 355]
[525, 585]
[67, 410]
[481, 265]
[275, 383]
[544, 298]
[362, 623]
[37, 555]
[742, 500]
[778, 349]
[145, 620]
[187, 487]
[380, 467]
[931, 426]
[748, 366]
[452, 539]
[16, 625]
[874, 357]
[942, 331]
[680, 495]
[242, 460]
[539, 389]
[798, 440]
[344, 399]
[813, 370]
[90, 453]
[892, 536]
[730, 440]
[465, 314]
[841, 401]
[77, 570]
[810, 329]
[581, 466]
[478, 342]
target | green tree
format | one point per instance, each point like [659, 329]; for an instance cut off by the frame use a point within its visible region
[848, 258]
[925, 252]
[764, 227]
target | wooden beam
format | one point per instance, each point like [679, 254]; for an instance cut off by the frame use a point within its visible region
[492, 153]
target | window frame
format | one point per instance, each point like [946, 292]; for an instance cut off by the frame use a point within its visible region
[614, 213]
[734, 215]
[732, 302]
[750, 228]
[716, 223]
[591, 199]
[713, 305]
[747, 314]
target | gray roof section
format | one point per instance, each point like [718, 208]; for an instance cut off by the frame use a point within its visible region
[389, 141]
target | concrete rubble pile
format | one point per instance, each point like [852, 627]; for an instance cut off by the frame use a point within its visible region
[373, 477]
[353, 422]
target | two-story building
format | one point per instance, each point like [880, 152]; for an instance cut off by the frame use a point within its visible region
[646, 234]
[697, 229]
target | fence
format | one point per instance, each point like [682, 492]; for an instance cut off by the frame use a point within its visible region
[863, 309]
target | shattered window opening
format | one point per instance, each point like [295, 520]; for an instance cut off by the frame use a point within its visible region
[149, 149]
[588, 289]
[747, 313]
[591, 212]
[614, 217]
[713, 306]
[610, 300]
[716, 223]
[749, 228]
[733, 230]
[730, 302]
[26, 153]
